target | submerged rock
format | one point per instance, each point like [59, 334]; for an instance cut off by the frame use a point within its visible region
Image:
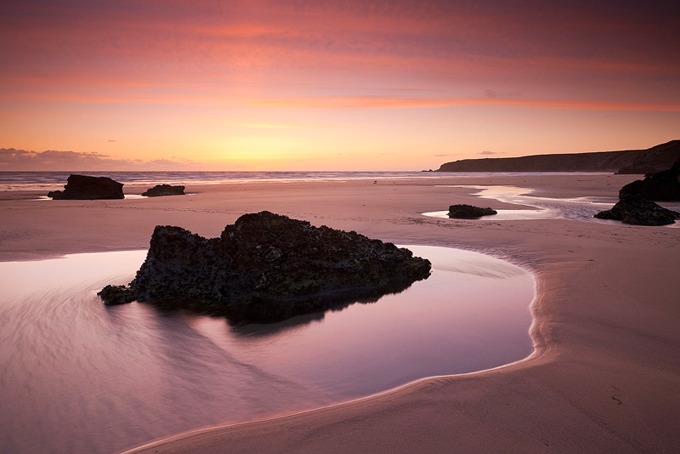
[116, 294]
[267, 267]
[636, 210]
[83, 187]
[469, 212]
[664, 185]
[161, 190]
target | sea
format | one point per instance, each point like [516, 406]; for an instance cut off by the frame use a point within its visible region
[16, 181]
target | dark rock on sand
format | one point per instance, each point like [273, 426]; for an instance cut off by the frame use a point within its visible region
[267, 268]
[664, 185]
[636, 210]
[469, 212]
[83, 187]
[164, 189]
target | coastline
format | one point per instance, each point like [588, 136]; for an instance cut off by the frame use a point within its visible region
[603, 374]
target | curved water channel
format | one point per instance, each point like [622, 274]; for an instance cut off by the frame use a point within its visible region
[80, 377]
[577, 208]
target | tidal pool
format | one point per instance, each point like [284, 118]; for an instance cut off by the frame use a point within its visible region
[81, 377]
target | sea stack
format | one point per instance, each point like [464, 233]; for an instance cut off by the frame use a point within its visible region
[266, 268]
[84, 187]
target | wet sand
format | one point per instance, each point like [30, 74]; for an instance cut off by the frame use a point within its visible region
[605, 371]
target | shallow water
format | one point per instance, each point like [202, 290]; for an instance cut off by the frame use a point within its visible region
[577, 208]
[80, 377]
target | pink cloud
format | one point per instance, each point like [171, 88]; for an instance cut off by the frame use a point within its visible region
[381, 102]
[12, 159]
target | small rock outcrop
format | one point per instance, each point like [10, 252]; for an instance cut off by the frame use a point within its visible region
[83, 187]
[661, 186]
[636, 210]
[267, 268]
[469, 212]
[161, 190]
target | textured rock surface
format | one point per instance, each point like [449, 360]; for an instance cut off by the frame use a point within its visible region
[267, 267]
[664, 185]
[83, 187]
[469, 212]
[635, 210]
[163, 189]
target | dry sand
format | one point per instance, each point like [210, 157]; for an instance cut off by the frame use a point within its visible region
[605, 373]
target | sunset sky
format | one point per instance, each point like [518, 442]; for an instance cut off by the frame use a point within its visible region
[330, 85]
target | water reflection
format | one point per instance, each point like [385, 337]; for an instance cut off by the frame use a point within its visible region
[269, 329]
[81, 377]
[578, 208]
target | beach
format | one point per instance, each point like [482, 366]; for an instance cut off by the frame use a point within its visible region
[604, 373]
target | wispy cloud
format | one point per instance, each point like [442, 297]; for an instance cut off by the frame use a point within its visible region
[12, 159]
[385, 102]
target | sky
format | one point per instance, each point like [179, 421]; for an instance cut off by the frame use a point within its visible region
[330, 85]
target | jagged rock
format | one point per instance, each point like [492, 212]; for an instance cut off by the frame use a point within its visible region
[164, 189]
[116, 294]
[636, 210]
[469, 212]
[83, 187]
[267, 267]
[664, 185]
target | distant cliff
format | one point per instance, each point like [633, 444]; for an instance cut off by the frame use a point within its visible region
[654, 159]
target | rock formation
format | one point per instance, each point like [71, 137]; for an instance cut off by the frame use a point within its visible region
[636, 210]
[266, 268]
[469, 212]
[83, 187]
[162, 190]
[664, 185]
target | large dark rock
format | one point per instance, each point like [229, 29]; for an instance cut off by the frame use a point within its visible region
[266, 268]
[83, 187]
[162, 190]
[636, 210]
[664, 185]
[469, 212]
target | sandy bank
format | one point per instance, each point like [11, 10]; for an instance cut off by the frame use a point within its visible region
[605, 374]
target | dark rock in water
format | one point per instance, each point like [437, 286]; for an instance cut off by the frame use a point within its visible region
[267, 268]
[636, 210]
[164, 189]
[83, 187]
[469, 212]
[664, 185]
[116, 294]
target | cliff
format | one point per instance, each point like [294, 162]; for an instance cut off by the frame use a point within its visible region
[654, 159]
